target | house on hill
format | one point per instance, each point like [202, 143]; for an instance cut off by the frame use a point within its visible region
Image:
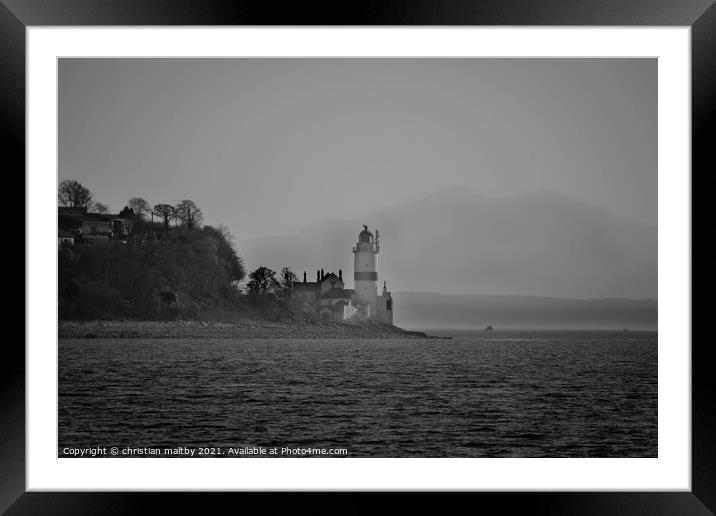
[93, 227]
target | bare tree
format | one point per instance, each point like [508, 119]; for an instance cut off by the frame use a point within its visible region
[73, 194]
[167, 213]
[97, 207]
[140, 207]
[189, 213]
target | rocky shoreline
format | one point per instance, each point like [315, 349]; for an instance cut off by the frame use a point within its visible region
[232, 330]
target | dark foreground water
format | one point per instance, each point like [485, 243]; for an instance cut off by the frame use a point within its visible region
[496, 394]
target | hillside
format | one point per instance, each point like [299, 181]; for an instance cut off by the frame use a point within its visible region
[459, 242]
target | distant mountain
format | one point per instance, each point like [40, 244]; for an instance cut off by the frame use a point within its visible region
[414, 310]
[459, 242]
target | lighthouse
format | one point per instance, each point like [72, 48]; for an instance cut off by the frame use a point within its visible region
[365, 273]
[327, 299]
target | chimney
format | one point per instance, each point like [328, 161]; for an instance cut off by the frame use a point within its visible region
[304, 276]
[340, 274]
[321, 274]
[318, 276]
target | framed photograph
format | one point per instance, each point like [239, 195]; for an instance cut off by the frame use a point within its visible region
[430, 249]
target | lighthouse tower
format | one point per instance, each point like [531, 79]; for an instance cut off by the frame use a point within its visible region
[365, 273]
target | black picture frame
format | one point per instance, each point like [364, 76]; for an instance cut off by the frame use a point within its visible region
[700, 15]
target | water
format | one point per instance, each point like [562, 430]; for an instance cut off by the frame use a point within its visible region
[496, 394]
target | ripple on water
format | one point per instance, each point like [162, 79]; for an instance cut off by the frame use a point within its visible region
[569, 394]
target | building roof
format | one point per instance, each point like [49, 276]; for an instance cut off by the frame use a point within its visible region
[84, 217]
[331, 275]
[69, 221]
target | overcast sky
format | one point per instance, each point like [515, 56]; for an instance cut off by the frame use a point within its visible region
[269, 146]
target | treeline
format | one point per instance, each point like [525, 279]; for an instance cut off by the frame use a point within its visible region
[179, 276]
[185, 271]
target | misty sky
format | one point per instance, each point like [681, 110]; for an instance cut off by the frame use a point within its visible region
[269, 146]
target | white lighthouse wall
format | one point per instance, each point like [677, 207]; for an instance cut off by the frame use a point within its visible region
[366, 290]
[364, 261]
[365, 278]
[366, 293]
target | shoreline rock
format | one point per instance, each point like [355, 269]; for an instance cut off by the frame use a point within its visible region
[249, 329]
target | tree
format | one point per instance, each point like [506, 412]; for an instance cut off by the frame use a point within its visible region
[127, 213]
[226, 234]
[97, 207]
[189, 213]
[73, 194]
[288, 278]
[140, 207]
[226, 253]
[166, 213]
[263, 283]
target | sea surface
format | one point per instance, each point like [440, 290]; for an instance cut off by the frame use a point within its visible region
[481, 394]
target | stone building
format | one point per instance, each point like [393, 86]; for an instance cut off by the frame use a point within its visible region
[327, 298]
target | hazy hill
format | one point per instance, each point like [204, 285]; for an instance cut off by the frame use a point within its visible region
[459, 242]
[423, 310]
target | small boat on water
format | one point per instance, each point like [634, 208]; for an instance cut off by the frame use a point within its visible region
[489, 328]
